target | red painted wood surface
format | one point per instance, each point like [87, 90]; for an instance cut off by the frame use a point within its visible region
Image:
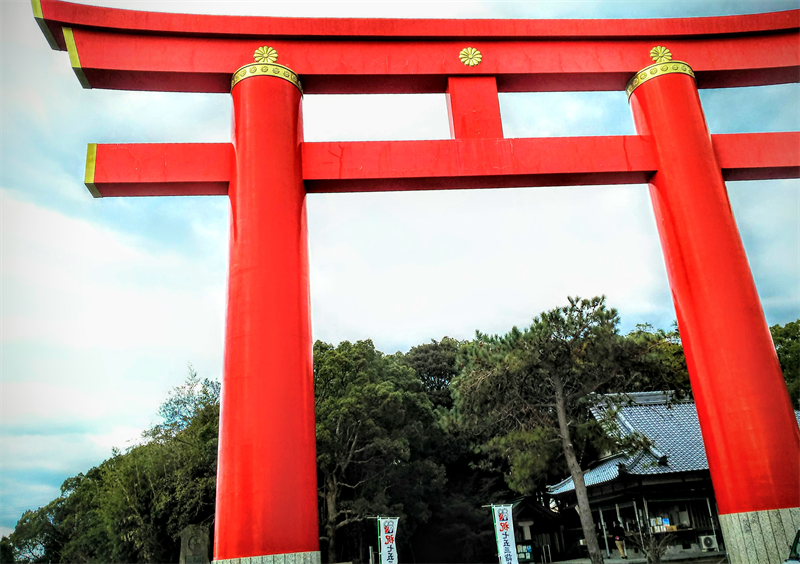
[368, 166]
[473, 107]
[758, 156]
[749, 429]
[475, 163]
[267, 473]
[58, 14]
[126, 61]
[163, 169]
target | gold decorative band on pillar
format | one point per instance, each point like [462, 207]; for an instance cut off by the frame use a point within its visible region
[663, 65]
[266, 69]
[292, 558]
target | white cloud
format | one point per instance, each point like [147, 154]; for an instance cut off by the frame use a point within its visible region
[407, 267]
[70, 283]
[375, 117]
[313, 8]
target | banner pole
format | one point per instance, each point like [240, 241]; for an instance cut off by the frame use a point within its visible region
[494, 526]
[378, 528]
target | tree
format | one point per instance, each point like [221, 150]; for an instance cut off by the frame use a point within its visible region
[532, 390]
[183, 404]
[132, 507]
[460, 529]
[666, 363]
[787, 345]
[374, 429]
[6, 551]
[64, 530]
[35, 536]
[654, 546]
[435, 365]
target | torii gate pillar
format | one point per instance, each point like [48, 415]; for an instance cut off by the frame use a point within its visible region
[737, 382]
[266, 478]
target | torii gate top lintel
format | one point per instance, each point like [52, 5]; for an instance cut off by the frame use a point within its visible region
[113, 48]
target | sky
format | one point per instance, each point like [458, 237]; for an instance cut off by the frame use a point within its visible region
[103, 303]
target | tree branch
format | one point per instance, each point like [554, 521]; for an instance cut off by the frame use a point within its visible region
[592, 386]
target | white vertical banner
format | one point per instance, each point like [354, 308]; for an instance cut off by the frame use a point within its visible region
[387, 529]
[504, 533]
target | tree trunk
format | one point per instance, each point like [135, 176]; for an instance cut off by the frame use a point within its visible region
[584, 512]
[330, 524]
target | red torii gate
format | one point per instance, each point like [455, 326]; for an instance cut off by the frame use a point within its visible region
[266, 487]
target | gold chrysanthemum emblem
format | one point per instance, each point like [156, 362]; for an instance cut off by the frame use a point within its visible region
[265, 54]
[470, 56]
[660, 54]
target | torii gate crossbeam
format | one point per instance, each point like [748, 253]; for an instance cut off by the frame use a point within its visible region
[267, 453]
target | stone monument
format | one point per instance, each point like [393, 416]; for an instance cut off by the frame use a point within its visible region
[194, 545]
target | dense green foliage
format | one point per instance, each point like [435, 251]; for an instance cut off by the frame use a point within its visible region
[436, 366]
[429, 436]
[787, 344]
[376, 438]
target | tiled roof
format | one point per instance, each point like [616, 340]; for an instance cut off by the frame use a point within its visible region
[605, 471]
[673, 430]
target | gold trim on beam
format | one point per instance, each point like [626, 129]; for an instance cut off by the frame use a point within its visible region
[37, 13]
[74, 60]
[91, 163]
[266, 69]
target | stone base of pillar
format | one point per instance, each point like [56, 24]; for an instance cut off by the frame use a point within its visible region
[290, 558]
[759, 537]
